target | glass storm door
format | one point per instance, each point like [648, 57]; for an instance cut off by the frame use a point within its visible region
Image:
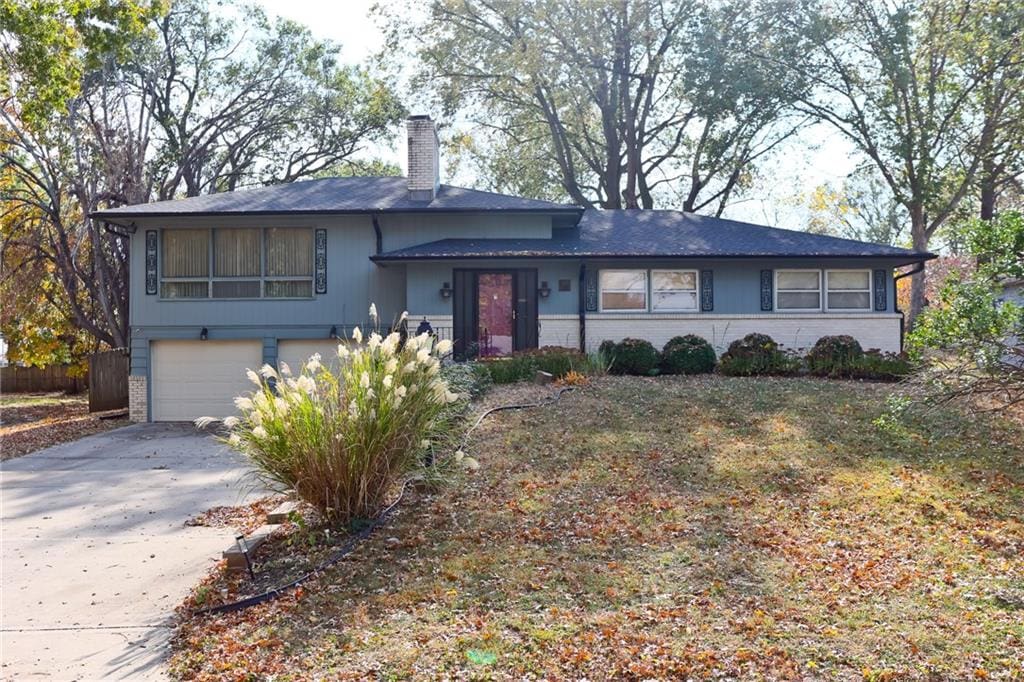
[496, 320]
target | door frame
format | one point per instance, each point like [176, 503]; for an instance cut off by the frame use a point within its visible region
[466, 307]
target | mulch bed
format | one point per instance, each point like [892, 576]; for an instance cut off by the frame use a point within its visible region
[32, 427]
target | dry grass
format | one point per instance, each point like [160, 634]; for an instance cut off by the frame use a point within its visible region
[670, 528]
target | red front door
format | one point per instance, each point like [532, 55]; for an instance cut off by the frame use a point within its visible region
[495, 313]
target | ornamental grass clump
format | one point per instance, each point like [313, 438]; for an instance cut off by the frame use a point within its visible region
[343, 438]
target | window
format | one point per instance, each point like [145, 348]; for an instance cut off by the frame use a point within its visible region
[237, 263]
[798, 290]
[848, 289]
[673, 290]
[623, 290]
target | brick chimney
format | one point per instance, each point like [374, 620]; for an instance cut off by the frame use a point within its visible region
[424, 164]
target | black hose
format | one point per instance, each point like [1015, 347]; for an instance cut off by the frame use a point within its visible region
[354, 540]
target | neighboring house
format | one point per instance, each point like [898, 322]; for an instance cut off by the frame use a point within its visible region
[228, 281]
[1013, 292]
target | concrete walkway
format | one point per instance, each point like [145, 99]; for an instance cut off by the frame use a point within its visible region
[95, 553]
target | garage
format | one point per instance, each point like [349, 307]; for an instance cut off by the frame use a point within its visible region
[192, 379]
[295, 352]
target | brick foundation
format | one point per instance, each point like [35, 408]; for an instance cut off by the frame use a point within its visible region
[138, 400]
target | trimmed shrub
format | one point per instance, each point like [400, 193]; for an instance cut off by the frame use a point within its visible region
[879, 366]
[342, 434]
[690, 354]
[756, 354]
[834, 356]
[633, 356]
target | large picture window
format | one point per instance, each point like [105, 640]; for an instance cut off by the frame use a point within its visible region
[798, 290]
[623, 290]
[673, 290]
[848, 290]
[237, 263]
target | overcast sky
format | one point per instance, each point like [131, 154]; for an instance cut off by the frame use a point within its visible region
[819, 155]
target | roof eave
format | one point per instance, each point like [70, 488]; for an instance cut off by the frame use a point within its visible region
[900, 259]
[115, 215]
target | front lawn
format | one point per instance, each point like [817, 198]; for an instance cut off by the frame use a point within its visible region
[672, 527]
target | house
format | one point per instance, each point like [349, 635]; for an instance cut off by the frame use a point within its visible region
[228, 281]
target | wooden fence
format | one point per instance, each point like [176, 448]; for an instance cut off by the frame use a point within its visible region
[108, 381]
[40, 380]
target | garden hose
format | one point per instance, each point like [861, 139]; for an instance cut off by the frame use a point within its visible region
[353, 541]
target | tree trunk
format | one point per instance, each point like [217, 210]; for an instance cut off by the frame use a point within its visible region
[919, 237]
[987, 181]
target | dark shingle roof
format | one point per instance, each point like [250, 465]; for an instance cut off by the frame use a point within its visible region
[335, 195]
[638, 234]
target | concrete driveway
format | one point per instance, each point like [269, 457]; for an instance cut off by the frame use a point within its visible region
[95, 553]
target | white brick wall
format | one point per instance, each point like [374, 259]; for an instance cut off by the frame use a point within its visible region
[559, 330]
[880, 331]
[138, 399]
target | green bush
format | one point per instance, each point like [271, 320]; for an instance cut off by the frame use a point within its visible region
[631, 356]
[879, 366]
[557, 360]
[467, 378]
[757, 354]
[523, 365]
[835, 356]
[688, 354]
[607, 348]
[342, 434]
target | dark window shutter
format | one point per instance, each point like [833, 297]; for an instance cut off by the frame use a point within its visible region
[590, 290]
[463, 313]
[766, 290]
[881, 291]
[707, 290]
[320, 262]
[151, 241]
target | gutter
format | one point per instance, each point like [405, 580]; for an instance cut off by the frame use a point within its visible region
[901, 259]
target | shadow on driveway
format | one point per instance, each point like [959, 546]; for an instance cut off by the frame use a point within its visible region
[96, 553]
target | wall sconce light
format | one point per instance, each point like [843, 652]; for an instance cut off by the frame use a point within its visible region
[204, 334]
[544, 290]
[446, 291]
[334, 332]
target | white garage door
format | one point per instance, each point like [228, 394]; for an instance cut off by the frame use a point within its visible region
[296, 352]
[200, 378]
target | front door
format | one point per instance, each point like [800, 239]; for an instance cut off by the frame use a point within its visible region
[495, 311]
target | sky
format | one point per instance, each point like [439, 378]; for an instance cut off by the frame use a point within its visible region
[817, 156]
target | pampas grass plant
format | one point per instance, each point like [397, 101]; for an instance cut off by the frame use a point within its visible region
[342, 438]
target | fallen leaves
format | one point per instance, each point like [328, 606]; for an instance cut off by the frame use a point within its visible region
[31, 422]
[694, 527]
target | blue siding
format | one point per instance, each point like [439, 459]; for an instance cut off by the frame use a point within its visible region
[353, 280]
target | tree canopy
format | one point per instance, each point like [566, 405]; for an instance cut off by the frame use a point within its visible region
[156, 102]
[622, 104]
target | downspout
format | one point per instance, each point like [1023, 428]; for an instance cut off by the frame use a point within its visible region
[896, 299]
[583, 308]
[377, 232]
